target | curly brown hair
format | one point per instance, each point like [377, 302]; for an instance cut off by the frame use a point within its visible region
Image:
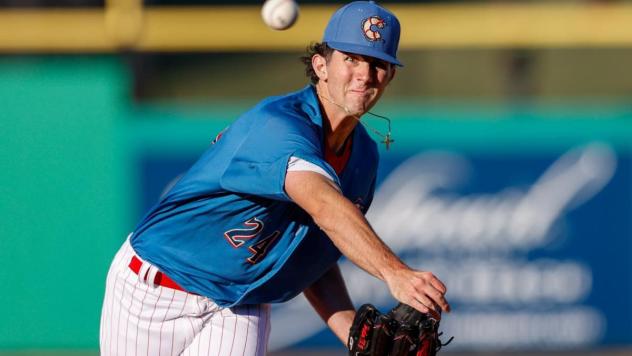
[313, 49]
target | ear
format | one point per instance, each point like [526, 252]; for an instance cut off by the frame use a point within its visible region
[319, 64]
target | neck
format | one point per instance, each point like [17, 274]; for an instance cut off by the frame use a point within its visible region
[335, 137]
[338, 123]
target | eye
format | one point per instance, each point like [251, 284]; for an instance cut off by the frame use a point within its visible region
[349, 59]
[383, 65]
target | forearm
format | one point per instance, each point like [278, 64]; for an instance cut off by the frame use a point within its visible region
[349, 230]
[340, 324]
[329, 297]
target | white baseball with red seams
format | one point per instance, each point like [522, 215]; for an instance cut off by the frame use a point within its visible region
[279, 14]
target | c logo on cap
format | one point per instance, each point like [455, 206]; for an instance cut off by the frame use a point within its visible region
[371, 27]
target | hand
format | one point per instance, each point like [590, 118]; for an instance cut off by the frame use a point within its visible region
[419, 289]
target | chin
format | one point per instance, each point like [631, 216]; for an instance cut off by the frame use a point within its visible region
[357, 110]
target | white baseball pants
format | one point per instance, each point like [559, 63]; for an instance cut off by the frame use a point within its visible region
[141, 319]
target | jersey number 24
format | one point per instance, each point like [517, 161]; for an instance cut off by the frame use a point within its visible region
[253, 228]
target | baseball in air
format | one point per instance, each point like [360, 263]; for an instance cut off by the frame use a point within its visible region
[279, 14]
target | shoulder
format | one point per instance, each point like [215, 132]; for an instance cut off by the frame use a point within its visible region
[299, 102]
[277, 126]
[291, 114]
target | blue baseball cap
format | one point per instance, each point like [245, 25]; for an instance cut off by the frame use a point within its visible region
[365, 28]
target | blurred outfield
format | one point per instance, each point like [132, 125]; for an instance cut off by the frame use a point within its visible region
[88, 141]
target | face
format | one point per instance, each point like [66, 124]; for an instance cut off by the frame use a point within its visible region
[353, 81]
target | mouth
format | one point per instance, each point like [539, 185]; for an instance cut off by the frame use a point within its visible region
[362, 92]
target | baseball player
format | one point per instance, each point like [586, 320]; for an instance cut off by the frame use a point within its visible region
[266, 212]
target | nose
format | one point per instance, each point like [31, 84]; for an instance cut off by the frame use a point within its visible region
[365, 72]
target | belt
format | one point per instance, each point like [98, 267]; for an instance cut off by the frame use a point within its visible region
[160, 278]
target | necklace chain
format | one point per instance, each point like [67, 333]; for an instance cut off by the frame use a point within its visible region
[387, 140]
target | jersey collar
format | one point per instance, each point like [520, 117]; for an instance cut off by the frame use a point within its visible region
[312, 105]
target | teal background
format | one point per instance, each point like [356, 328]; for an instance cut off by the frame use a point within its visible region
[63, 192]
[70, 136]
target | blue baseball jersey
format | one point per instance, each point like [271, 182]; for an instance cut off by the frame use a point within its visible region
[228, 230]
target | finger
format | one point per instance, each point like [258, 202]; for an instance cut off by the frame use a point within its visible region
[431, 279]
[438, 299]
[437, 290]
[426, 288]
[419, 306]
[428, 307]
[436, 282]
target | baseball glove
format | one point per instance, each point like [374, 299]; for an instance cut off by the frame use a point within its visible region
[403, 331]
